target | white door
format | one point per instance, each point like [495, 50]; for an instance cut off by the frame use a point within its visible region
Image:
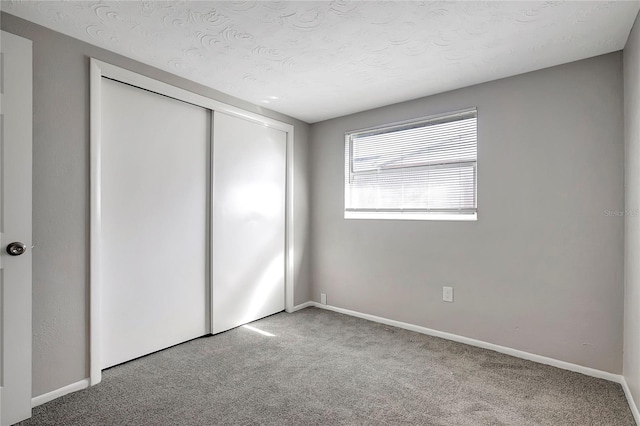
[15, 221]
[249, 172]
[155, 222]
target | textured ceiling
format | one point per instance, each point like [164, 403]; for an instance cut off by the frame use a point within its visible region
[317, 60]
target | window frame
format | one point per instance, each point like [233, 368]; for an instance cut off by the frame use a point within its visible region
[410, 214]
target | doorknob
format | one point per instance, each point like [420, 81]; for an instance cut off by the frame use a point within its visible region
[16, 248]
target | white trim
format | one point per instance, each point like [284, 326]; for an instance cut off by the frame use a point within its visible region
[302, 306]
[630, 400]
[480, 344]
[95, 220]
[99, 69]
[410, 216]
[50, 396]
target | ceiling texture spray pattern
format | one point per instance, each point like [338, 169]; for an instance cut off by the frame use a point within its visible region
[317, 60]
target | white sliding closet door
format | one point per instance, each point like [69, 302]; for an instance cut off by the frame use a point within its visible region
[248, 221]
[155, 222]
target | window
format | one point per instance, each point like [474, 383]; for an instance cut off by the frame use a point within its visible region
[420, 169]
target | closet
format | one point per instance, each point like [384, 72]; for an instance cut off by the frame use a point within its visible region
[191, 213]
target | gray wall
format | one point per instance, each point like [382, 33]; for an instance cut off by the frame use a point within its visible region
[541, 270]
[61, 197]
[631, 62]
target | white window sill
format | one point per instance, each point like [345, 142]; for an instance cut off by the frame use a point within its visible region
[412, 216]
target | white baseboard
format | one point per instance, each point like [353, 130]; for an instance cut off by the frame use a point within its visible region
[480, 344]
[50, 396]
[630, 400]
[302, 306]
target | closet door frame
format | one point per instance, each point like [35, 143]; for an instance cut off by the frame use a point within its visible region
[98, 70]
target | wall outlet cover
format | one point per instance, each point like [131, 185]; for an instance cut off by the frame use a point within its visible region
[447, 294]
[323, 298]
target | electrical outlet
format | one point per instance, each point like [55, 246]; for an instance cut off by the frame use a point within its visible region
[447, 294]
[323, 298]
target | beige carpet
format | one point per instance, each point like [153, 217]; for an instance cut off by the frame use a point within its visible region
[324, 368]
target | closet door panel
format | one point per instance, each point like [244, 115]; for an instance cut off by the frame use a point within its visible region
[155, 225]
[249, 173]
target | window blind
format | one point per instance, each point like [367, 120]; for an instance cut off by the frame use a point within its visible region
[426, 166]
